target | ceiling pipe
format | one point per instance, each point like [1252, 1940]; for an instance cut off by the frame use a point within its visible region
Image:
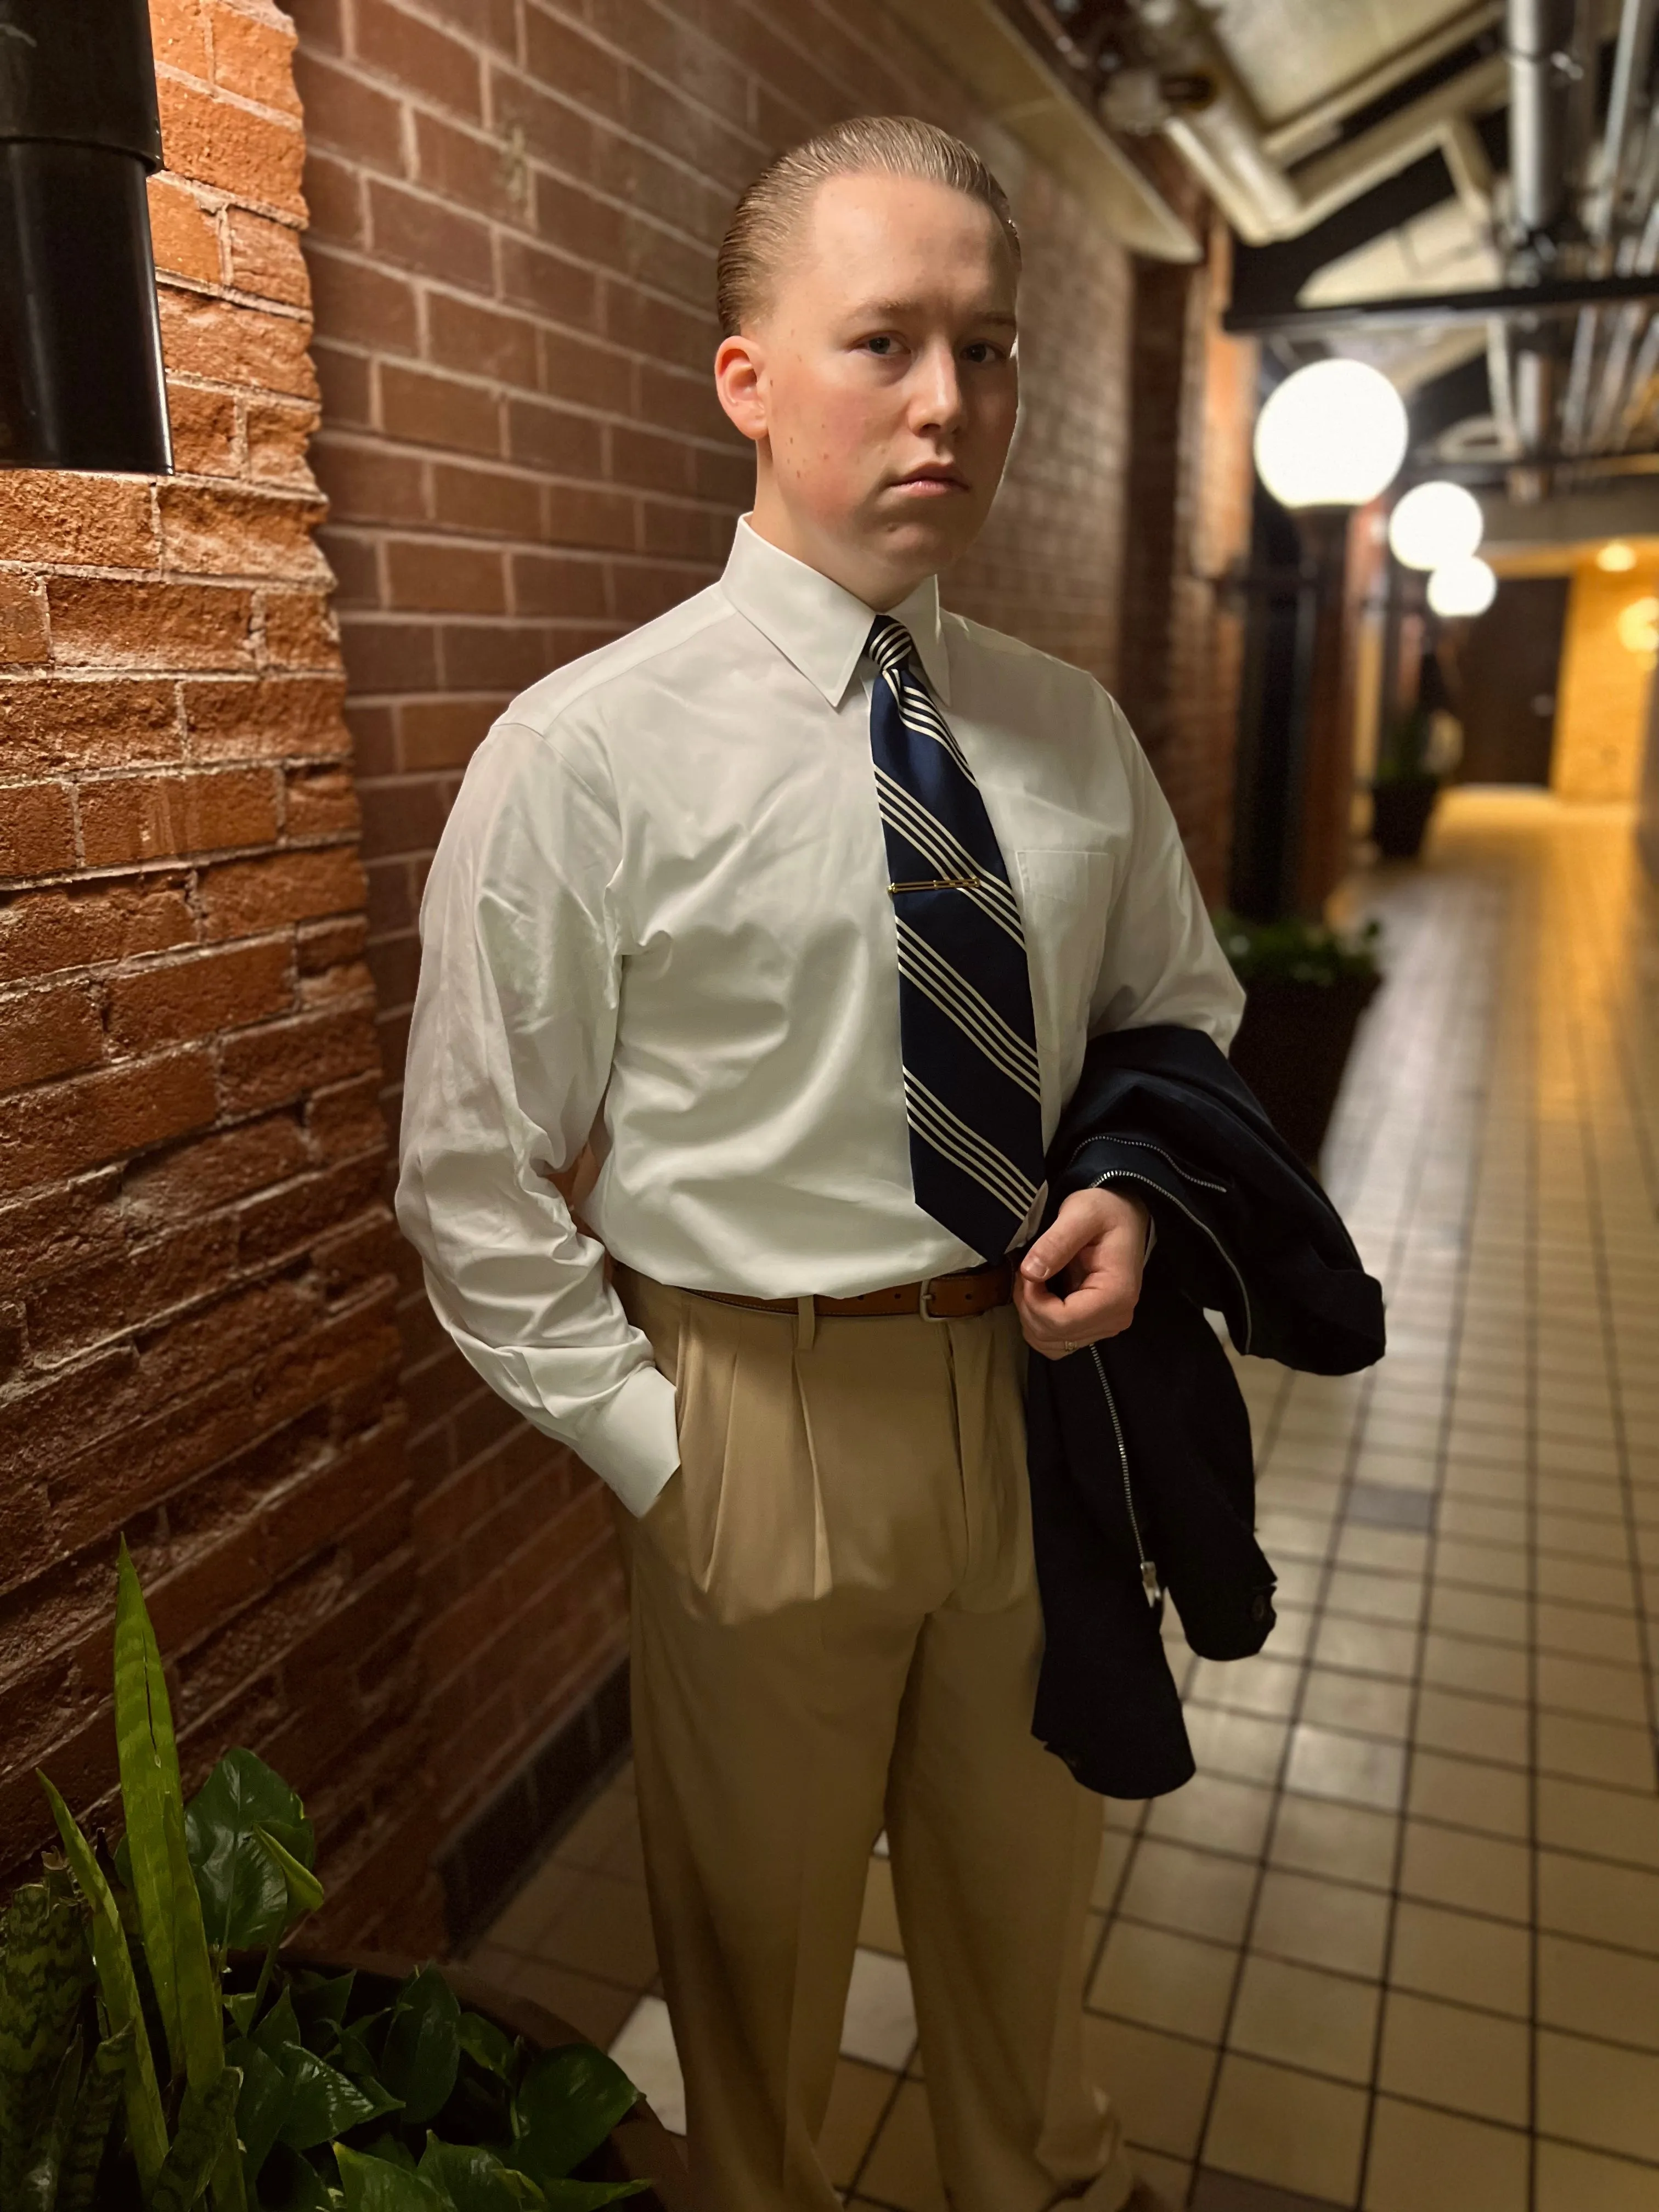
[1632, 59]
[1541, 46]
[1642, 257]
[1332, 179]
[1314, 127]
[1539, 38]
[1228, 146]
[1619, 181]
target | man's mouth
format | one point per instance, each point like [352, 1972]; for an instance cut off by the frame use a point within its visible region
[931, 480]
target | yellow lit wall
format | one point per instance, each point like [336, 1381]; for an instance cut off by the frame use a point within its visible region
[1601, 708]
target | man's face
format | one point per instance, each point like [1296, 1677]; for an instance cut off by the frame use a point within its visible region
[880, 386]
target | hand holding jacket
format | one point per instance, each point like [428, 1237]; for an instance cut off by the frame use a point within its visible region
[1141, 1469]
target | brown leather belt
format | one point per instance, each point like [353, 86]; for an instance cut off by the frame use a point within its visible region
[941, 1297]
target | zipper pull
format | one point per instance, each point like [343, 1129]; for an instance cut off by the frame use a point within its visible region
[1149, 1581]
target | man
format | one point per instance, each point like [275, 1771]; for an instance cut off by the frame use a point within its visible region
[801, 904]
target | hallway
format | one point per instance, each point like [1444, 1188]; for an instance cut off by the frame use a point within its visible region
[1398, 1946]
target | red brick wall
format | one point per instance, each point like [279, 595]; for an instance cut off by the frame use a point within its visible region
[1193, 405]
[514, 209]
[196, 1289]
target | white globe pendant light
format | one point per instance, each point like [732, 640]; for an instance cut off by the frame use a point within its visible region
[1435, 524]
[1333, 434]
[1462, 587]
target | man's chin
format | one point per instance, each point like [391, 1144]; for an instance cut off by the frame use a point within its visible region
[933, 535]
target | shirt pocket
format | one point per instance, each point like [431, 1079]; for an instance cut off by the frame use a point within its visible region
[1065, 896]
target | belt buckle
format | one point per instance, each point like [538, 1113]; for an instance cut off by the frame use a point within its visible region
[925, 1302]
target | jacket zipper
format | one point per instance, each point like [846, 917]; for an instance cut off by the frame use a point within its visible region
[1149, 1582]
[1129, 1175]
[1145, 1144]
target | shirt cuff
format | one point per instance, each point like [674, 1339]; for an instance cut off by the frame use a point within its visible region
[631, 1441]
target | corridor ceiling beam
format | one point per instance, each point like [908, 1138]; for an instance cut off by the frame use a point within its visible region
[1267, 279]
[1409, 309]
[974, 42]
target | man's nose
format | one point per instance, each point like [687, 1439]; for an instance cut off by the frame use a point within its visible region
[938, 390]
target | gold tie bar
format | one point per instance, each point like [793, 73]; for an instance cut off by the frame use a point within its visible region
[938, 883]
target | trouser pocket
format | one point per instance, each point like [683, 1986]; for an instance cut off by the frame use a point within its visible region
[741, 1520]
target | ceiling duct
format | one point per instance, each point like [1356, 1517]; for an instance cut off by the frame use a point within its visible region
[1227, 144]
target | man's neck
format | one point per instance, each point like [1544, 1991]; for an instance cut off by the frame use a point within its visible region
[872, 582]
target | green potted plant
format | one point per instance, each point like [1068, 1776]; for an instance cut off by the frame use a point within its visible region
[1418, 749]
[1305, 987]
[160, 2049]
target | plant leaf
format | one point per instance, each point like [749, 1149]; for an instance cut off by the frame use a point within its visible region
[169, 1904]
[39, 2191]
[279, 2027]
[304, 1892]
[262, 2107]
[323, 2102]
[207, 2128]
[489, 2046]
[290, 2183]
[43, 1970]
[567, 2103]
[319, 1998]
[170, 1910]
[354, 2054]
[143, 1791]
[387, 2146]
[119, 1987]
[422, 2047]
[243, 1892]
[471, 2178]
[374, 2185]
[100, 2093]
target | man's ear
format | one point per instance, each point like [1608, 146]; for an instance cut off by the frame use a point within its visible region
[738, 374]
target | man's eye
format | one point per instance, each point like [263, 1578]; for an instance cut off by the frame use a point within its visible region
[880, 344]
[982, 349]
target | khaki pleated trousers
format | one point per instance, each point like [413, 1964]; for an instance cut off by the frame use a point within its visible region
[835, 1628]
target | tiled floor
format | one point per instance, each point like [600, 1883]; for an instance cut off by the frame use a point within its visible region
[1397, 1947]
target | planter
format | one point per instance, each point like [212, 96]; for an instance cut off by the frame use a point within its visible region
[246, 2073]
[1400, 815]
[1291, 1048]
[639, 2148]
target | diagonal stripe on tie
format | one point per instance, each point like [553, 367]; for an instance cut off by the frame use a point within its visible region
[946, 855]
[967, 1036]
[971, 1010]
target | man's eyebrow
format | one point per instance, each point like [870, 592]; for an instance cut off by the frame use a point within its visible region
[879, 311]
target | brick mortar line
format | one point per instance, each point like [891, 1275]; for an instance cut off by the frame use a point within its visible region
[17, 886]
[204, 579]
[160, 771]
[481, 618]
[170, 73]
[499, 64]
[424, 284]
[508, 309]
[82, 673]
[329, 1317]
[414, 101]
[47, 1370]
[232, 295]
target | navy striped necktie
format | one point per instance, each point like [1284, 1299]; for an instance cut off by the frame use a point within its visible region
[971, 1090]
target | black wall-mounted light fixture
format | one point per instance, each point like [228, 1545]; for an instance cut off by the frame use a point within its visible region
[81, 383]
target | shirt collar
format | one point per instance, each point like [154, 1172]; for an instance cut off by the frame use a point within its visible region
[819, 626]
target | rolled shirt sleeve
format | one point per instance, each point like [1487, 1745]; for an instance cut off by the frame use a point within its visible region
[510, 1048]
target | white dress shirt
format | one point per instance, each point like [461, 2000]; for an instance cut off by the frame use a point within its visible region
[658, 920]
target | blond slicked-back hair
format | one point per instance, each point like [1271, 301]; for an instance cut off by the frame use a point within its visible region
[765, 218]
